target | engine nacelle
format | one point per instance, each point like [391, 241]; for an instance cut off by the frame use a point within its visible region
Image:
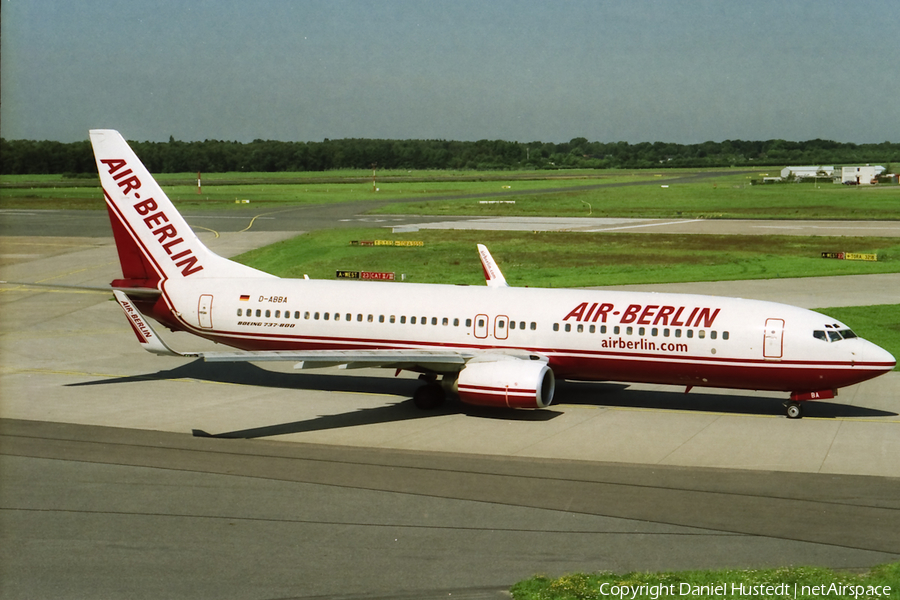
[514, 383]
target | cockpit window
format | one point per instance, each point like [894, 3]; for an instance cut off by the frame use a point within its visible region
[834, 336]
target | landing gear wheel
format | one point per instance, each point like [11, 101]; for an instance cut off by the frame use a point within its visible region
[793, 410]
[429, 396]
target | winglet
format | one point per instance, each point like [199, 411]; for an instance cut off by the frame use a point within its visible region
[148, 338]
[491, 271]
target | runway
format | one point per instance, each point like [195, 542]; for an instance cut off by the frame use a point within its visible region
[333, 485]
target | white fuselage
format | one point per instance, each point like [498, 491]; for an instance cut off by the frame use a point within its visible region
[680, 339]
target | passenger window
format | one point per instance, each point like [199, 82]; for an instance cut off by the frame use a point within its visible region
[456, 322]
[316, 316]
[665, 333]
[348, 317]
[239, 312]
[501, 323]
[359, 317]
[701, 334]
[654, 332]
[403, 320]
[381, 318]
[690, 333]
[412, 320]
[326, 316]
[370, 318]
[616, 330]
[678, 333]
[580, 328]
[512, 324]
[337, 316]
[277, 314]
[641, 331]
[533, 326]
[725, 335]
[712, 335]
[468, 322]
[556, 327]
[434, 320]
[393, 319]
[445, 321]
[258, 312]
[568, 327]
[593, 328]
[629, 330]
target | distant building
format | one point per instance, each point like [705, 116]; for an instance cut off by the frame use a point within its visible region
[807, 172]
[861, 175]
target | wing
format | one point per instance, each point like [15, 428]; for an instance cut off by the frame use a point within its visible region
[492, 273]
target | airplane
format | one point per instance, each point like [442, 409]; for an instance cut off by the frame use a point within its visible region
[494, 345]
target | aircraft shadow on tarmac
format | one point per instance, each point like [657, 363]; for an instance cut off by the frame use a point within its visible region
[621, 395]
[572, 393]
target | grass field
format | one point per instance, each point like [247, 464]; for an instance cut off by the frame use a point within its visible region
[569, 259]
[802, 583]
[283, 189]
[727, 195]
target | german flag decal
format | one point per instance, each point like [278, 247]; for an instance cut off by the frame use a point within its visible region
[245, 297]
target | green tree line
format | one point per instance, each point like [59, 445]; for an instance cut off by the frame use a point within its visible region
[214, 156]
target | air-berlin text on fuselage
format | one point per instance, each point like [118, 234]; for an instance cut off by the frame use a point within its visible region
[155, 220]
[645, 314]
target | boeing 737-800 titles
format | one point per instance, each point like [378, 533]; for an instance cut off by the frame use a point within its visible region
[495, 345]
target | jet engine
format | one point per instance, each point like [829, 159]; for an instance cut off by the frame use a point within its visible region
[513, 383]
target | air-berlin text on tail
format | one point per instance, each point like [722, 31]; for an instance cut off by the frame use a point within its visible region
[155, 220]
[645, 314]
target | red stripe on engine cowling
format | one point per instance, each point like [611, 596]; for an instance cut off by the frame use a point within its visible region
[497, 396]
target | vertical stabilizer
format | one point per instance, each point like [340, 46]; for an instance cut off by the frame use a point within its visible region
[153, 240]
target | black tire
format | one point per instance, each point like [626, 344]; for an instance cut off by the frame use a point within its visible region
[429, 397]
[793, 410]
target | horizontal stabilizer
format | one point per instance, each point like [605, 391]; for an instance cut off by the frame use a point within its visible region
[150, 341]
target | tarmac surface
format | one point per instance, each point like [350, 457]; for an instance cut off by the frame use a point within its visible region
[331, 484]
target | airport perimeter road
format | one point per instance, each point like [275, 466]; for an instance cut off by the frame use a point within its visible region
[331, 484]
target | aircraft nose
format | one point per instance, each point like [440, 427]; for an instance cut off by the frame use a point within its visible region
[878, 356]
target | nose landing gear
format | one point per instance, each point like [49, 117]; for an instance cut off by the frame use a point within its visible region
[793, 407]
[794, 410]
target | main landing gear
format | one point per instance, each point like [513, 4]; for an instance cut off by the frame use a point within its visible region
[430, 396]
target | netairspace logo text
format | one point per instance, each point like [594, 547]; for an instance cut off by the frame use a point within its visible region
[784, 590]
